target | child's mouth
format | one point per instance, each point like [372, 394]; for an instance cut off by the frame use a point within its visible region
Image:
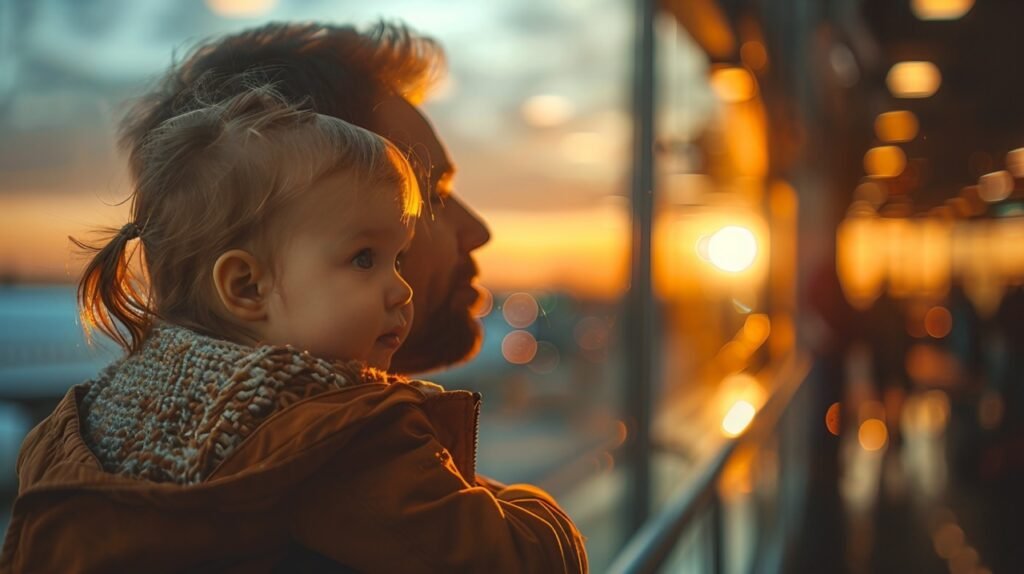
[391, 340]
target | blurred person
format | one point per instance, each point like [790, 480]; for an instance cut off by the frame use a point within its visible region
[250, 425]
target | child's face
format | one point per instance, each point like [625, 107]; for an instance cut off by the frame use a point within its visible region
[338, 292]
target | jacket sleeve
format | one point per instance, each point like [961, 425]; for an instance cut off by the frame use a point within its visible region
[393, 501]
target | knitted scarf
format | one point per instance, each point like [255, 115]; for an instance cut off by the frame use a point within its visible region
[178, 407]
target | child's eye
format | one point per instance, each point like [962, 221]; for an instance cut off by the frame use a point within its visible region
[363, 259]
[398, 261]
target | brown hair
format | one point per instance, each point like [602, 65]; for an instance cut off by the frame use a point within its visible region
[209, 180]
[338, 70]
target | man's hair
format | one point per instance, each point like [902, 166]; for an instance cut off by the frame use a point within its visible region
[339, 71]
[216, 178]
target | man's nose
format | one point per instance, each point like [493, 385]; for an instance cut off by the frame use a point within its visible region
[472, 231]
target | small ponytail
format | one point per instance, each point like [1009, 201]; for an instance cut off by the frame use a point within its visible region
[107, 294]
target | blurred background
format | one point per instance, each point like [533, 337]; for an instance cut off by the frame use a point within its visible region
[754, 283]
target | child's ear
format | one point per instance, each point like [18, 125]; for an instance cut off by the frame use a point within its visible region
[242, 284]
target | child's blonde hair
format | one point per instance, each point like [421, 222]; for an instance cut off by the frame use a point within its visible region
[210, 180]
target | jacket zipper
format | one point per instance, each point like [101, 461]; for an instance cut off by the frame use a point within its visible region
[477, 401]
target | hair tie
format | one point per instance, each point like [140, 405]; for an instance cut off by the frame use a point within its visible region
[131, 230]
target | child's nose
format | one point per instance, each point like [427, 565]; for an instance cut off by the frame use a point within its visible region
[400, 293]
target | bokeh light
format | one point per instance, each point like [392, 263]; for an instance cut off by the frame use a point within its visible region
[756, 329]
[914, 79]
[520, 310]
[733, 84]
[995, 186]
[485, 304]
[519, 347]
[732, 248]
[926, 414]
[546, 359]
[754, 55]
[885, 161]
[872, 434]
[1015, 162]
[832, 421]
[896, 126]
[938, 322]
[940, 9]
[241, 8]
[547, 110]
[738, 418]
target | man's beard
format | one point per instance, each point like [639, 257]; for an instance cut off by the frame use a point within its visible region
[448, 336]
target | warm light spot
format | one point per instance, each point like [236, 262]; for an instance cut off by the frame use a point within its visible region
[585, 147]
[756, 329]
[913, 79]
[547, 110]
[740, 387]
[832, 419]
[485, 304]
[898, 126]
[732, 248]
[733, 356]
[938, 322]
[733, 84]
[519, 347]
[1015, 162]
[520, 310]
[995, 186]
[885, 161]
[872, 434]
[926, 414]
[948, 539]
[940, 9]
[241, 8]
[738, 418]
[546, 359]
[753, 55]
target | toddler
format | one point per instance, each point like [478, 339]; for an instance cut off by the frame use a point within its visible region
[251, 425]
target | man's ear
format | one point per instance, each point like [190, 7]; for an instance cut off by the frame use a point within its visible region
[242, 284]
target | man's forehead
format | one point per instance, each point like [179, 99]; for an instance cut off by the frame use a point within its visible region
[404, 124]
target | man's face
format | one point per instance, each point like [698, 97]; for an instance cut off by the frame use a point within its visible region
[439, 265]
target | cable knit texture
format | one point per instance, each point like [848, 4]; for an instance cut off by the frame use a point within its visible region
[178, 407]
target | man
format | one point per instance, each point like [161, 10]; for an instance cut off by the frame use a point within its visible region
[354, 475]
[373, 79]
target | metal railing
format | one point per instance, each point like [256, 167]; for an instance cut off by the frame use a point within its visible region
[648, 550]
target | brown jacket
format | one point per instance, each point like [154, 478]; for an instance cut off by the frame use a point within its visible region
[372, 476]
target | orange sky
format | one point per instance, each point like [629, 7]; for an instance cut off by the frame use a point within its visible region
[582, 250]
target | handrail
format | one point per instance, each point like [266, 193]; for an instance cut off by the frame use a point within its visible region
[652, 544]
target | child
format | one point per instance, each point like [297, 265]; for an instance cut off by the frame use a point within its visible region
[250, 426]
